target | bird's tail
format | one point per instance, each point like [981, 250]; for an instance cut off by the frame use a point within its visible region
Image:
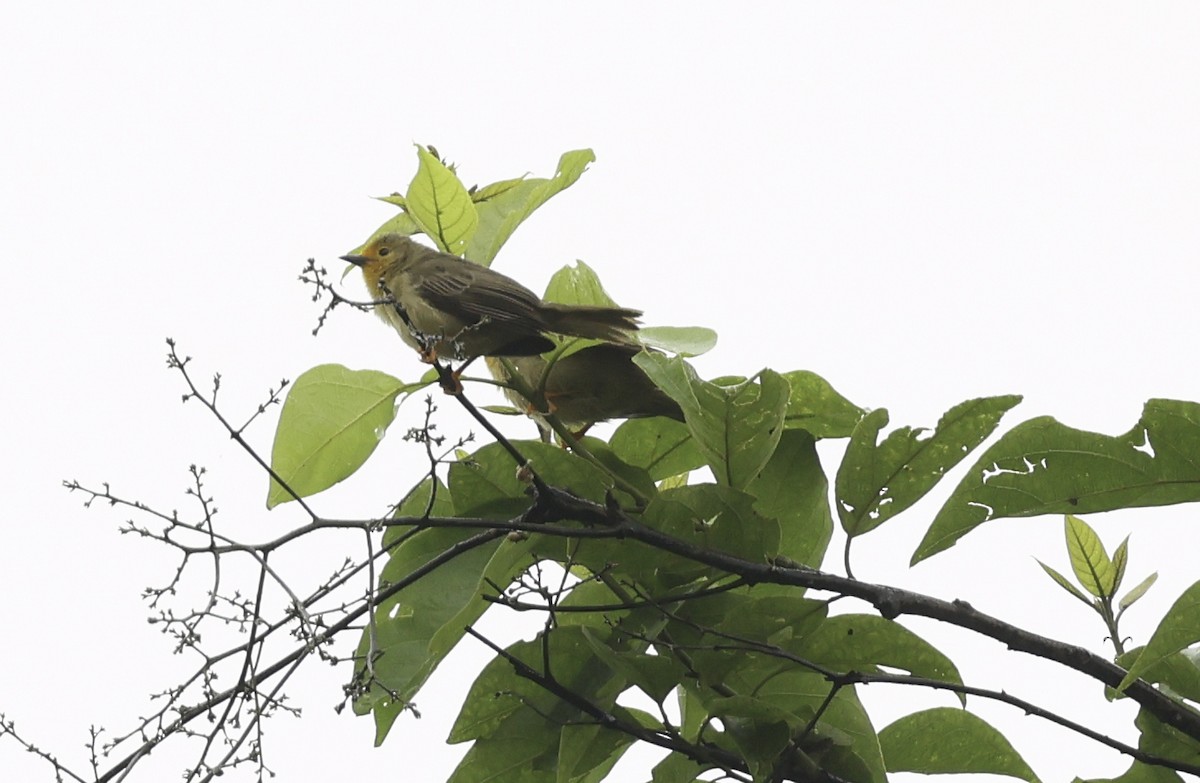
[612, 324]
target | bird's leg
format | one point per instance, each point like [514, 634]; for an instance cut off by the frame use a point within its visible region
[452, 383]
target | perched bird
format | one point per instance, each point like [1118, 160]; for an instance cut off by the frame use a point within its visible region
[448, 307]
[598, 383]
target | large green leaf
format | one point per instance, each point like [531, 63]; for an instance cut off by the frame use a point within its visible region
[588, 751]
[512, 201]
[440, 205]
[526, 748]
[946, 740]
[499, 693]
[577, 284]
[676, 768]
[332, 420]
[1165, 741]
[1044, 467]
[486, 484]
[737, 427]
[876, 481]
[862, 642]
[654, 675]
[1179, 671]
[770, 619]
[407, 622]
[792, 489]
[416, 628]
[1140, 773]
[1180, 628]
[681, 340]
[662, 447]
[714, 517]
[522, 747]
[815, 406]
[842, 742]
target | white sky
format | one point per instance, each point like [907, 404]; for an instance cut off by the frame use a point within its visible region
[923, 203]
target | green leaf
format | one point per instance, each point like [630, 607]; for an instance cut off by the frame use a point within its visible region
[1065, 583]
[499, 694]
[760, 729]
[397, 224]
[843, 741]
[662, 447]
[1120, 561]
[877, 481]
[654, 675]
[1089, 561]
[577, 285]
[1179, 672]
[587, 752]
[486, 484]
[495, 190]
[863, 642]
[714, 517]
[1140, 773]
[676, 768]
[506, 208]
[1165, 741]
[440, 205]
[693, 717]
[792, 489]
[1044, 467]
[772, 619]
[407, 623]
[331, 422]
[1138, 591]
[634, 475]
[736, 427]
[521, 748]
[1178, 629]
[946, 740]
[416, 628]
[815, 406]
[681, 340]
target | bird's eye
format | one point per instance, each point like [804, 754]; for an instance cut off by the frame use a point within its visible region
[383, 251]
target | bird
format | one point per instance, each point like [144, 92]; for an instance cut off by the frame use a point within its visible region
[596, 383]
[448, 307]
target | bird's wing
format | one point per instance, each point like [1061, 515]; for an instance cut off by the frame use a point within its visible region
[471, 292]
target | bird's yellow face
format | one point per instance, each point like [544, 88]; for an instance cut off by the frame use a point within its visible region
[377, 259]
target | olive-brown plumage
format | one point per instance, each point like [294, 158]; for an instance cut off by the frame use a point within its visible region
[598, 383]
[456, 309]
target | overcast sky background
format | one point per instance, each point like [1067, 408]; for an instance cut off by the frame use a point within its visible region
[922, 202]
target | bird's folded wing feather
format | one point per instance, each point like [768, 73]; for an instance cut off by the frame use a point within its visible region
[474, 293]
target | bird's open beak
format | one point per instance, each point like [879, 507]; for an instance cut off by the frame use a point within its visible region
[356, 260]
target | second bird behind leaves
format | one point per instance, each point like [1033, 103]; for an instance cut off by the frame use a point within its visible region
[456, 309]
[598, 383]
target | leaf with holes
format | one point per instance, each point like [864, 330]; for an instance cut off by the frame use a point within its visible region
[1044, 467]
[876, 481]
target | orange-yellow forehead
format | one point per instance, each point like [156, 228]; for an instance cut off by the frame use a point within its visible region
[376, 263]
